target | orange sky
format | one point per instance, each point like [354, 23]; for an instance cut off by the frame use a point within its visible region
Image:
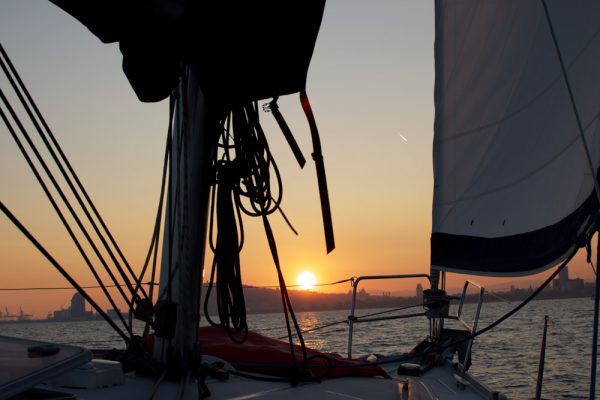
[370, 84]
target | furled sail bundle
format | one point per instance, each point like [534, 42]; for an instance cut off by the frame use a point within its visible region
[245, 51]
[514, 188]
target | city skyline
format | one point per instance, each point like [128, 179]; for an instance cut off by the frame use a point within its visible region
[561, 286]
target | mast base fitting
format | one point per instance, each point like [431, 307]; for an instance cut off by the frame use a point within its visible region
[165, 319]
[144, 310]
[436, 303]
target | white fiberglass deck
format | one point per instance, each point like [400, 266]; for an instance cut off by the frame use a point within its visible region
[438, 383]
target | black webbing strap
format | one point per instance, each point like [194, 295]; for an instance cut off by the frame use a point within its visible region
[274, 108]
[321, 178]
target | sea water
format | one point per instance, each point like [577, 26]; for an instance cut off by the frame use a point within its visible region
[506, 358]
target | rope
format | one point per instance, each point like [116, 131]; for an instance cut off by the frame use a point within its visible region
[345, 321]
[67, 287]
[51, 198]
[152, 283]
[154, 242]
[65, 274]
[293, 286]
[21, 87]
[243, 184]
[440, 348]
[498, 297]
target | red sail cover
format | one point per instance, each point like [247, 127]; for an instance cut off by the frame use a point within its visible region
[262, 354]
[265, 355]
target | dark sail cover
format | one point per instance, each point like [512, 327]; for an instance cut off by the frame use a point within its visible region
[514, 191]
[245, 50]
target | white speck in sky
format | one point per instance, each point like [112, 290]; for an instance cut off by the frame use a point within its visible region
[402, 136]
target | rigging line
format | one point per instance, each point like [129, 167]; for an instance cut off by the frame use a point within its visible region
[63, 272]
[64, 287]
[252, 151]
[55, 184]
[573, 104]
[595, 331]
[492, 325]
[498, 297]
[389, 311]
[287, 305]
[156, 234]
[503, 318]
[345, 321]
[253, 154]
[529, 298]
[289, 286]
[225, 208]
[440, 348]
[566, 333]
[157, 224]
[61, 216]
[178, 134]
[293, 286]
[157, 384]
[54, 204]
[67, 163]
[172, 208]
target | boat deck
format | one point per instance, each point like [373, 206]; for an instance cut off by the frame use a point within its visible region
[437, 383]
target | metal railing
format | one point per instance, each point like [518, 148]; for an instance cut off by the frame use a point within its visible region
[352, 319]
[471, 328]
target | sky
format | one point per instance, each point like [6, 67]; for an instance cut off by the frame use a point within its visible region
[370, 83]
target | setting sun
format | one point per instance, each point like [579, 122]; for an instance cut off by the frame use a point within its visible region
[306, 280]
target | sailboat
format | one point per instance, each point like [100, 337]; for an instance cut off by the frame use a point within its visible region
[516, 155]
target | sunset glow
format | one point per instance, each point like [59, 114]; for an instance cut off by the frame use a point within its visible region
[380, 183]
[306, 280]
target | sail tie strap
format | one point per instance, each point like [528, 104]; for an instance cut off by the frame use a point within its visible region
[321, 178]
[285, 129]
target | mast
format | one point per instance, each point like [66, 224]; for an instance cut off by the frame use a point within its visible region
[185, 227]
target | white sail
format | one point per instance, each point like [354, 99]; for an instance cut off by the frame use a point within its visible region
[513, 186]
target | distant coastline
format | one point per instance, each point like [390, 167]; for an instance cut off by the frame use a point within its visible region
[266, 300]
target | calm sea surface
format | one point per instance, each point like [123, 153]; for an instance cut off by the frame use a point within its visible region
[506, 358]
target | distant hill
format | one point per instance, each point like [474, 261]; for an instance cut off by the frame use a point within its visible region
[264, 300]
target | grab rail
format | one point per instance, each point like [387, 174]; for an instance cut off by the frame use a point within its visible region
[352, 318]
[472, 329]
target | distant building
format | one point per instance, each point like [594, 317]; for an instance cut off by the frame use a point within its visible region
[577, 284]
[62, 315]
[76, 312]
[564, 284]
[77, 306]
[419, 290]
[563, 275]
